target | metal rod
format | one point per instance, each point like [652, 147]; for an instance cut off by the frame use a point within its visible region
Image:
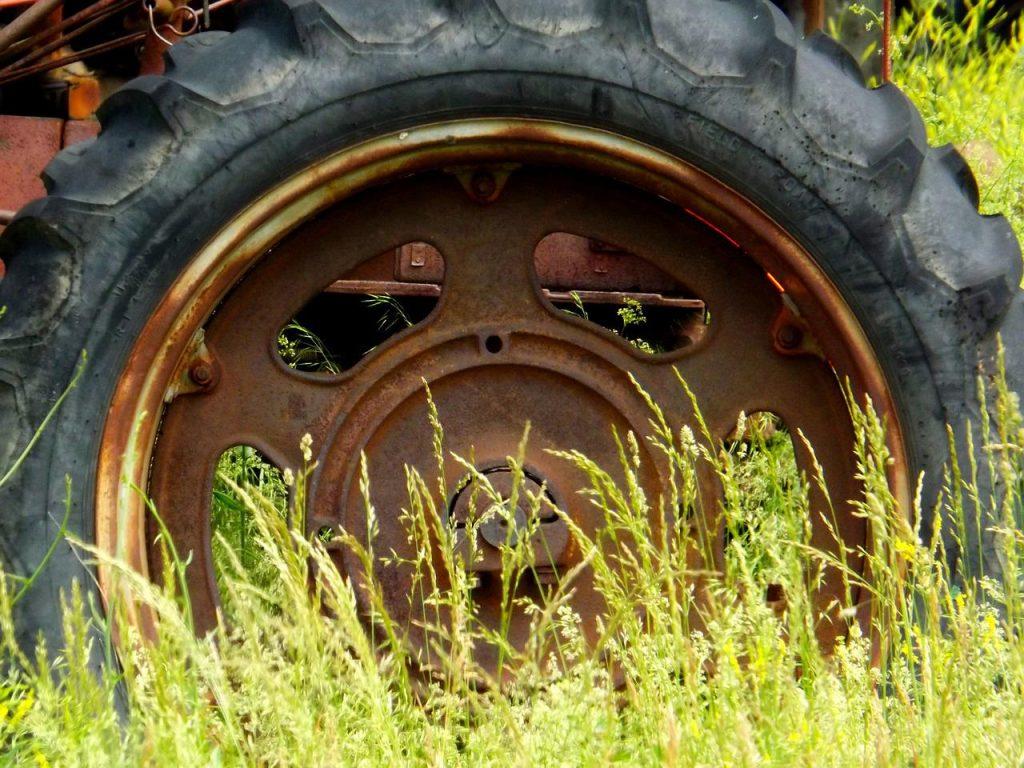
[45, 66]
[433, 290]
[620, 297]
[102, 7]
[389, 287]
[26, 21]
[886, 40]
[88, 17]
[60, 42]
[814, 16]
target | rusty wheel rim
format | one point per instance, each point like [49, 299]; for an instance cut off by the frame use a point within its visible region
[483, 193]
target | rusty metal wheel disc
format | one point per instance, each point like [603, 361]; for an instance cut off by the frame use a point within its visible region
[496, 350]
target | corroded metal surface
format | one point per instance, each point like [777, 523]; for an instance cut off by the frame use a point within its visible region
[496, 353]
[569, 268]
[27, 144]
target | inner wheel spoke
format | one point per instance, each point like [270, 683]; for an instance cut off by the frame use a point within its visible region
[261, 406]
[489, 275]
[733, 369]
[742, 372]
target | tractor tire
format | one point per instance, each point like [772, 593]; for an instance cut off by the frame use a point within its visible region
[728, 87]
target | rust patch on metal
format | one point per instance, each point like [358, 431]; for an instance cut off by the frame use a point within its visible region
[27, 144]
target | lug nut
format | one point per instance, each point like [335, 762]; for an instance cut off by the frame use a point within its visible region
[483, 184]
[789, 337]
[201, 373]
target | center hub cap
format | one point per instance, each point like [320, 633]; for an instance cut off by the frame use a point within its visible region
[504, 512]
[486, 402]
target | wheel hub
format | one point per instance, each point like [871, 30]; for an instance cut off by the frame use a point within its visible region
[487, 402]
[515, 506]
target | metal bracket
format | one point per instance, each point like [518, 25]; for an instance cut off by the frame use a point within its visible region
[197, 372]
[790, 333]
[483, 183]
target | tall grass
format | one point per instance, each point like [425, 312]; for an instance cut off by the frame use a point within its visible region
[967, 77]
[707, 674]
